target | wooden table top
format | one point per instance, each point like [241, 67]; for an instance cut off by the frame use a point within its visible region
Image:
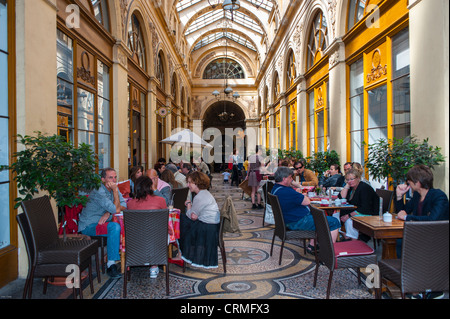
[332, 207]
[377, 228]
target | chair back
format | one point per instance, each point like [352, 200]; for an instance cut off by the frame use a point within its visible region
[267, 188]
[26, 233]
[146, 233]
[425, 255]
[387, 196]
[179, 197]
[280, 227]
[41, 221]
[323, 237]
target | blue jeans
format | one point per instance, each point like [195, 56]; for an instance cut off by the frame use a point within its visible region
[113, 238]
[307, 223]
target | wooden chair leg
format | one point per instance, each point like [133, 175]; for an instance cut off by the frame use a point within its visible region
[281, 252]
[44, 290]
[97, 269]
[271, 247]
[91, 281]
[330, 279]
[125, 279]
[316, 271]
[167, 280]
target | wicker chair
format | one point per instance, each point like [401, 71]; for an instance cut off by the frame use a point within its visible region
[146, 243]
[179, 197]
[423, 265]
[280, 228]
[348, 254]
[266, 188]
[48, 255]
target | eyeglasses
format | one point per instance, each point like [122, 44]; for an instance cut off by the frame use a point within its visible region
[300, 167]
[350, 180]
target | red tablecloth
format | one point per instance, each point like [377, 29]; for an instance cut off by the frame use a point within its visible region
[174, 224]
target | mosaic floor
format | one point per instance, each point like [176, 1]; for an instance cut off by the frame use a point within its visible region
[251, 272]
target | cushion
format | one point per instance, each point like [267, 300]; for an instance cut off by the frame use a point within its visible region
[352, 248]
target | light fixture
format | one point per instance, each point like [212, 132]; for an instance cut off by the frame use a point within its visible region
[227, 90]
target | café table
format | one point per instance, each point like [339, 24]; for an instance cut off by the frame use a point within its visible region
[376, 228]
[174, 224]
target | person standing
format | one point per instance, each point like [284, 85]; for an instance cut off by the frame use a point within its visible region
[95, 218]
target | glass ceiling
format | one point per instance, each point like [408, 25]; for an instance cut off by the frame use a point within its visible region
[216, 15]
[263, 4]
[219, 35]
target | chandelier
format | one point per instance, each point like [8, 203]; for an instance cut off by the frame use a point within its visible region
[230, 5]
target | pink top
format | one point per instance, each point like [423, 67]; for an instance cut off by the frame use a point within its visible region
[150, 202]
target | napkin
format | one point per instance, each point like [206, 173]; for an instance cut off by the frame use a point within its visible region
[101, 229]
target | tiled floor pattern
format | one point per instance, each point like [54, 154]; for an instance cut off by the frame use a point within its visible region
[251, 272]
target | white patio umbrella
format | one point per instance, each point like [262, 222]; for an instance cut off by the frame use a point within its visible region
[185, 136]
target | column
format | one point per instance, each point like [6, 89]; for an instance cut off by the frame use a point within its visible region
[429, 70]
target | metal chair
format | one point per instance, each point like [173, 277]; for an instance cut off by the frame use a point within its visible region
[49, 255]
[424, 264]
[146, 242]
[179, 197]
[348, 254]
[280, 228]
[267, 188]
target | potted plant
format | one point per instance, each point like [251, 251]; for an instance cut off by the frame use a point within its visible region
[393, 158]
[50, 163]
[320, 161]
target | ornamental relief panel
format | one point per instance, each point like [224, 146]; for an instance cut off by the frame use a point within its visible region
[375, 66]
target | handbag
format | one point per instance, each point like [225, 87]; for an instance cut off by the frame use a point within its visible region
[268, 214]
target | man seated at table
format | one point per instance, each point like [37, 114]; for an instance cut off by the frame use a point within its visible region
[160, 187]
[102, 203]
[306, 176]
[294, 206]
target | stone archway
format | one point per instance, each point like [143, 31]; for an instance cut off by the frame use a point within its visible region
[211, 119]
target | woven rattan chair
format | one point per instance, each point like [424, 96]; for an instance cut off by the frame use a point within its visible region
[347, 254]
[146, 244]
[49, 255]
[280, 228]
[424, 262]
[266, 188]
[179, 198]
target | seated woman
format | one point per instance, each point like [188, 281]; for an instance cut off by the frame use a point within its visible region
[169, 178]
[335, 178]
[199, 227]
[135, 173]
[427, 203]
[144, 199]
[361, 195]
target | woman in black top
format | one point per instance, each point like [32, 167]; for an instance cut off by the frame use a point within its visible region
[361, 195]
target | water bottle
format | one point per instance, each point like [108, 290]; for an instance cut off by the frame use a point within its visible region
[380, 210]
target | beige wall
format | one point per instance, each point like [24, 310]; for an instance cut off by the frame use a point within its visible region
[35, 77]
[429, 78]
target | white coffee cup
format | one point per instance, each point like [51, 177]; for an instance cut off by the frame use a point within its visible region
[311, 194]
[344, 201]
[337, 202]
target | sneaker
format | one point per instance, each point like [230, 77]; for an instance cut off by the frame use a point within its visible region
[113, 272]
[154, 271]
[254, 206]
[260, 206]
